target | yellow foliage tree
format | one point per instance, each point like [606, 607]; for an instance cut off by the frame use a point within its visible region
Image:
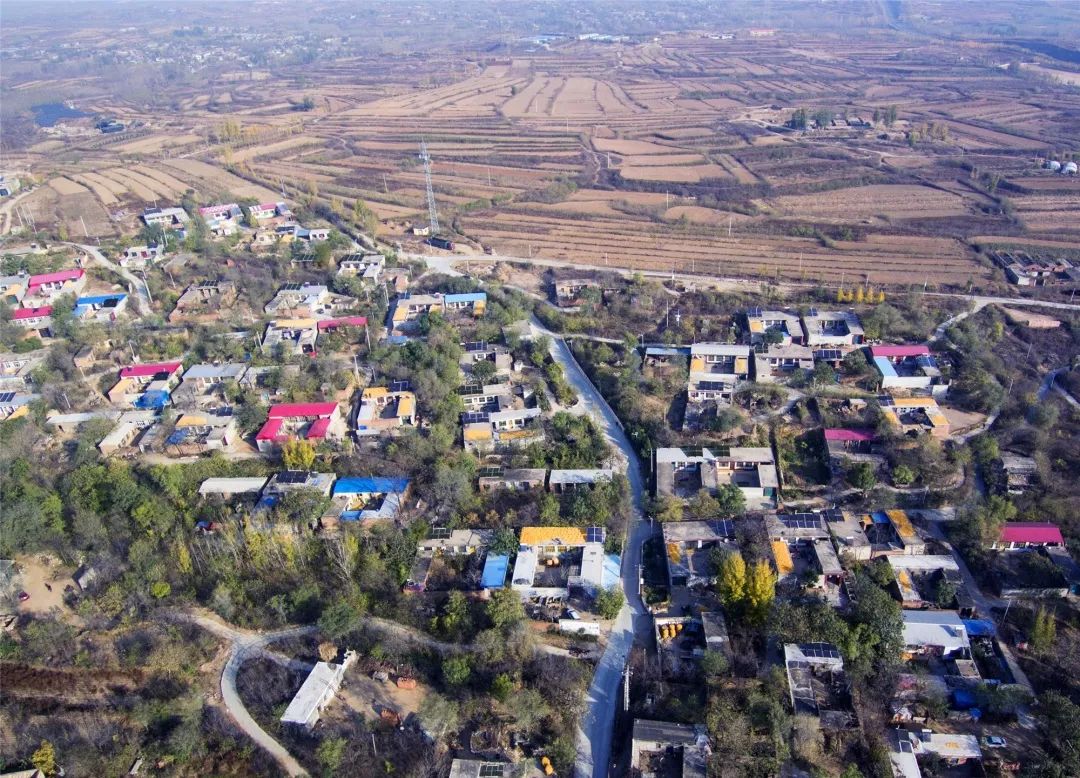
[859, 295]
[840, 295]
[760, 591]
[731, 582]
[298, 454]
[183, 557]
[881, 296]
[44, 758]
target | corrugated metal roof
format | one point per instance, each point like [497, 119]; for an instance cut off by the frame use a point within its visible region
[149, 369]
[1031, 532]
[293, 410]
[898, 351]
[370, 485]
[494, 575]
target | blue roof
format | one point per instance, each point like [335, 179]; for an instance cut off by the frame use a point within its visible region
[612, 568]
[878, 517]
[177, 436]
[964, 699]
[885, 367]
[494, 575]
[372, 485]
[158, 398]
[100, 299]
[978, 628]
[466, 297]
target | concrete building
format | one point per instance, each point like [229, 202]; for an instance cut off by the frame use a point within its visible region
[371, 498]
[716, 369]
[553, 561]
[563, 481]
[385, 409]
[307, 300]
[1029, 534]
[44, 288]
[199, 433]
[140, 256]
[444, 543]
[779, 361]
[407, 309]
[368, 267]
[288, 337]
[205, 382]
[484, 433]
[318, 691]
[146, 385]
[786, 324]
[942, 633]
[169, 218]
[314, 422]
[912, 368]
[689, 546]
[514, 479]
[915, 415]
[818, 684]
[101, 307]
[838, 329]
[684, 472]
[36, 321]
[666, 748]
[205, 300]
[232, 487]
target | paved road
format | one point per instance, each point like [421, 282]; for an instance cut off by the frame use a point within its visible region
[1050, 384]
[140, 286]
[595, 729]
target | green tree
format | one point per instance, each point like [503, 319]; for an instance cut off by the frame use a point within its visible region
[731, 500]
[338, 620]
[331, 753]
[456, 670]
[714, 663]
[455, 615]
[902, 475]
[982, 523]
[504, 609]
[609, 602]
[502, 686]
[861, 475]
[823, 374]
[704, 505]
[1043, 631]
[160, 590]
[731, 582]
[44, 758]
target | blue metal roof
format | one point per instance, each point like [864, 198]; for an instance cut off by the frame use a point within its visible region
[371, 485]
[885, 367]
[100, 299]
[466, 297]
[612, 568]
[978, 628]
[494, 575]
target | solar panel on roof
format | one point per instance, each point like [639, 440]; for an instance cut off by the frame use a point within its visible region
[470, 389]
[755, 312]
[473, 417]
[440, 533]
[292, 287]
[812, 312]
[6, 397]
[491, 472]
[820, 650]
[491, 770]
[829, 354]
[292, 477]
[399, 386]
[594, 534]
[833, 514]
[800, 521]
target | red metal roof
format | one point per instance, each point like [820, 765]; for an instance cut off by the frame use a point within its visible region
[860, 436]
[59, 275]
[31, 313]
[1031, 532]
[318, 428]
[345, 321]
[892, 352]
[294, 410]
[149, 369]
[269, 430]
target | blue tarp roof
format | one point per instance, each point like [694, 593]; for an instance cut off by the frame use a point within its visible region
[466, 297]
[885, 367]
[177, 436]
[372, 485]
[157, 398]
[880, 518]
[100, 299]
[978, 628]
[964, 699]
[494, 575]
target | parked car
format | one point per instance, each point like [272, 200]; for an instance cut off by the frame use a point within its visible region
[994, 741]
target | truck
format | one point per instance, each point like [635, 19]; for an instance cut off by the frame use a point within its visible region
[441, 243]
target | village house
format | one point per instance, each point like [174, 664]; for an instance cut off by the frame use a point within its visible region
[477, 352]
[13, 288]
[1028, 534]
[916, 575]
[655, 744]
[46, 287]
[941, 633]
[716, 369]
[303, 300]
[443, 543]
[908, 367]
[839, 329]
[101, 307]
[369, 498]
[368, 267]
[818, 685]
[568, 292]
[318, 690]
[689, 547]
[146, 385]
[325, 327]
[915, 415]
[36, 321]
[16, 370]
[168, 218]
[407, 309]
[479, 768]
[565, 481]
[222, 220]
[952, 749]
[14, 405]
[205, 300]
[515, 480]
[1019, 473]
[486, 432]
[140, 256]
[553, 562]
[785, 324]
[130, 429]
[264, 212]
[684, 472]
[205, 383]
[779, 361]
[286, 337]
[291, 481]
[229, 488]
[489, 397]
[891, 532]
[266, 380]
[314, 422]
[384, 409]
[198, 433]
[848, 445]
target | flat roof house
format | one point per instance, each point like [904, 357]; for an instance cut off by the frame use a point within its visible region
[786, 323]
[891, 532]
[908, 367]
[101, 307]
[384, 409]
[443, 543]
[309, 421]
[568, 291]
[832, 328]
[688, 547]
[915, 415]
[267, 211]
[369, 498]
[778, 361]
[287, 481]
[170, 218]
[514, 479]
[818, 684]
[290, 336]
[562, 481]
[198, 433]
[203, 381]
[300, 300]
[408, 308]
[367, 267]
[682, 472]
[14, 405]
[231, 487]
[146, 385]
[477, 352]
[716, 369]
[484, 432]
[317, 691]
[936, 632]
[552, 561]
[204, 300]
[140, 256]
[659, 742]
[1029, 534]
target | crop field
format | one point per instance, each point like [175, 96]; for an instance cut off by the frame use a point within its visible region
[671, 152]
